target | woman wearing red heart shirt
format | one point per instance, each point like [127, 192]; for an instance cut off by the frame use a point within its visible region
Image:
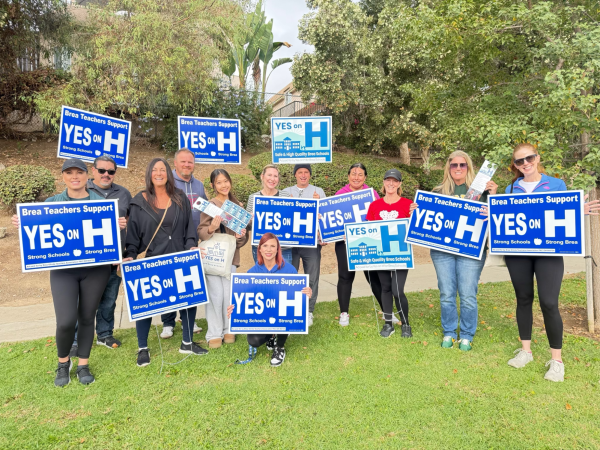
[392, 206]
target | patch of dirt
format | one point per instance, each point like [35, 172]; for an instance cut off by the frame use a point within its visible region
[574, 321]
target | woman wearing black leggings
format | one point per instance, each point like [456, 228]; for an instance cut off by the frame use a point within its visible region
[76, 292]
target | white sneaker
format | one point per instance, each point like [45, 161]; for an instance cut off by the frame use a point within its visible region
[344, 319]
[167, 333]
[197, 329]
[556, 372]
[521, 360]
[310, 319]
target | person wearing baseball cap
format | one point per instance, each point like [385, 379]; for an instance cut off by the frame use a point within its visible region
[392, 206]
[76, 292]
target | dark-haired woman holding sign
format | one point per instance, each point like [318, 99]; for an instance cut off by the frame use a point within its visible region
[160, 222]
[76, 291]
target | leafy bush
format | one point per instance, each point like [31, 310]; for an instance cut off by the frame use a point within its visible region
[243, 186]
[25, 184]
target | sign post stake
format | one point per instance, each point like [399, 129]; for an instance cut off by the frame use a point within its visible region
[588, 275]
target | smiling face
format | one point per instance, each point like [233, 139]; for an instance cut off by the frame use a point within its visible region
[391, 186]
[356, 178]
[269, 251]
[104, 180]
[159, 175]
[270, 179]
[302, 178]
[75, 179]
[222, 185]
[529, 168]
[459, 170]
[184, 165]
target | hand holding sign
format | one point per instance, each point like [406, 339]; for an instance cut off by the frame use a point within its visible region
[590, 207]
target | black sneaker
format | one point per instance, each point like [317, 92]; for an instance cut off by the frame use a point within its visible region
[63, 373]
[73, 352]
[271, 344]
[278, 356]
[143, 357]
[406, 331]
[192, 348]
[387, 331]
[84, 375]
[109, 342]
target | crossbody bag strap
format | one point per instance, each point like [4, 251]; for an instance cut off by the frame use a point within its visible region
[159, 225]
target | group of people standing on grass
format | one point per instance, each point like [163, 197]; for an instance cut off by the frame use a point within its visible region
[160, 220]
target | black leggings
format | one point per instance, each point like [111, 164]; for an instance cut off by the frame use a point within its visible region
[548, 272]
[256, 340]
[346, 278]
[188, 318]
[76, 294]
[392, 284]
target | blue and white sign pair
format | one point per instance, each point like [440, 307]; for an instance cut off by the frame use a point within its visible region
[85, 135]
[211, 140]
[268, 304]
[301, 139]
[59, 235]
[544, 224]
[162, 284]
[341, 209]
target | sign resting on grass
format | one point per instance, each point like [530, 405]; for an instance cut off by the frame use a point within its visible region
[268, 303]
[301, 139]
[378, 245]
[162, 284]
[86, 135]
[448, 224]
[59, 235]
[211, 140]
[341, 209]
[545, 224]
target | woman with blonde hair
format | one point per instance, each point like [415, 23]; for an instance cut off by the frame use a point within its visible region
[457, 273]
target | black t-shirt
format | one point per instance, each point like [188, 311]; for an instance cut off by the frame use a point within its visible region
[167, 224]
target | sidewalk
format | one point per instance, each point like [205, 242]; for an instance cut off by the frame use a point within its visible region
[40, 321]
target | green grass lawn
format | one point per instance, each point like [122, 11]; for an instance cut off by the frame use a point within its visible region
[338, 388]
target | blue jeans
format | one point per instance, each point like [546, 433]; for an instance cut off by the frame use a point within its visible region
[458, 274]
[286, 253]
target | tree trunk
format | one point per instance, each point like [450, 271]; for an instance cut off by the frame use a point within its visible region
[595, 232]
[405, 154]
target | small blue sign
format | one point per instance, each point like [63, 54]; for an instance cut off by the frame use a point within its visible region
[162, 284]
[341, 209]
[268, 304]
[86, 135]
[448, 224]
[292, 220]
[378, 245]
[301, 139]
[546, 224]
[58, 235]
[211, 140]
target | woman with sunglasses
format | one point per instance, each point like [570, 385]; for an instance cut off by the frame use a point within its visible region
[548, 270]
[457, 273]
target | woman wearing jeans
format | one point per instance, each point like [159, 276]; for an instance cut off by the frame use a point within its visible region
[454, 272]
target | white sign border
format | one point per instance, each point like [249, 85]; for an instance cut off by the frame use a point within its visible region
[303, 160]
[213, 118]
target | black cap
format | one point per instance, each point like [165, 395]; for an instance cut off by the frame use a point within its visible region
[302, 166]
[76, 163]
[393, 173]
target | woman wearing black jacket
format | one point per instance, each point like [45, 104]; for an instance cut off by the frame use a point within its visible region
[176, 234]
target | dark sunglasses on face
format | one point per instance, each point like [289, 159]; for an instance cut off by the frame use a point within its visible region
[519, 162]
[455, 166]
[103, 171]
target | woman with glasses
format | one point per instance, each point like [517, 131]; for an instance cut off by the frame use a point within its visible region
[548, 270]
[457, 273]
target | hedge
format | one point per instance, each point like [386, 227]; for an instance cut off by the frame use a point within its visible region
[25, 184]
[243, 186]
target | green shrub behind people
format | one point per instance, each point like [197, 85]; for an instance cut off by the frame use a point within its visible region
[25, 184]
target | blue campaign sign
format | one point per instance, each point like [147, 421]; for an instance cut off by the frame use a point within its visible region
[448, 224]
[86, 135]
[292, 220]
[268, 304]
[163, 284]
[301, 139]
[378, 245]
[68, 234]
[545, 224]
[211, 140]
[341, 209]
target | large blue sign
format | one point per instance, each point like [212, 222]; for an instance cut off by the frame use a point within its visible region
[163, 283]
[301, 139]
[86, 135]
[68, 234]
[448, 224]
[342, 209]
[292, 220]
[545, 224]
[378, 245]
[268, 304]
[211, 140]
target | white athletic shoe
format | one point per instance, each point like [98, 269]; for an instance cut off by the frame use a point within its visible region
[521, 360]
[167, 333]
[197, 329]
[394, 319]
[556, 372]
[344, 319]
[310, 319]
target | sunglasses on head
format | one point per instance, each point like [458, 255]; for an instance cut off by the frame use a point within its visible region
[103, 171]
[519, 162]
[455, 166]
